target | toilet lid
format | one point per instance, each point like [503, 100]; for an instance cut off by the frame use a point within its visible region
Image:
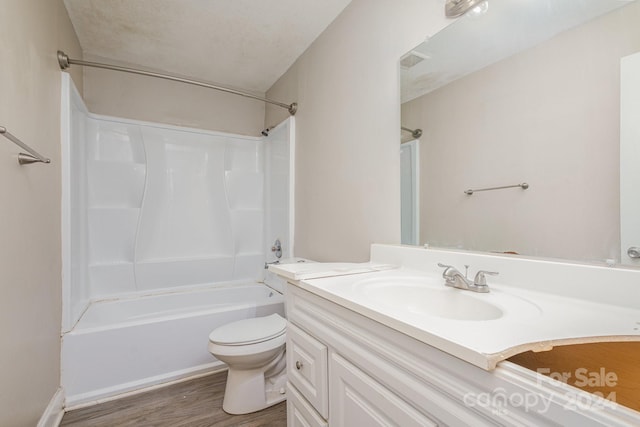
[249, 331]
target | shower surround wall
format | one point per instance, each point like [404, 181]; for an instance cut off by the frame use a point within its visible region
[152, 207]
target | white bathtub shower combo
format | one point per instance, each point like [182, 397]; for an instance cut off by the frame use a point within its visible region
[165, 234]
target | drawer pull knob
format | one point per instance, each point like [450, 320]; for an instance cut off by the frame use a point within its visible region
[298, 365]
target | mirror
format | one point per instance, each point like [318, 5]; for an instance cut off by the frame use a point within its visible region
[522, 92]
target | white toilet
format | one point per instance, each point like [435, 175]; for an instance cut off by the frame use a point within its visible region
[254, 351]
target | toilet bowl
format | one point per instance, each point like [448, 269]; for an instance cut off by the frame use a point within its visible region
[253, 349]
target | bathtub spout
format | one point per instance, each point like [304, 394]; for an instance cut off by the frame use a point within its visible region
[267, 264]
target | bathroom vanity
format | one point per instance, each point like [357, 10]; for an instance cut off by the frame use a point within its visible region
[363, 353]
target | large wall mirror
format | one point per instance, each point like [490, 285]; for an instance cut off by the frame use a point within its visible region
[526, 92]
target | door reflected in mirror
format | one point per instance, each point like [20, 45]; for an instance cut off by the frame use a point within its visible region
[410, 190]
[527, 92]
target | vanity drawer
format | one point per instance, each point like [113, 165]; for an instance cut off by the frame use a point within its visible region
[299, 411]
[307, 367]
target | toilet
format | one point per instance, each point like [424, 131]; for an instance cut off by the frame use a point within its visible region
[254, 351]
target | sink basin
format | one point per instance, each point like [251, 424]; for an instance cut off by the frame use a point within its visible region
[424, 296]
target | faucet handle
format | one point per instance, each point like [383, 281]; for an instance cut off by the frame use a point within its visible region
[449, 273]
[480, 279]
[277, 248]
[448, 269]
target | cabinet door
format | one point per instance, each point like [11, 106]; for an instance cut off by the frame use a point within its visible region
[356, 399]
[307, 367]
[299, 412]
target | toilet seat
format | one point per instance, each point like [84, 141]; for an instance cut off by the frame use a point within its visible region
[249, 331]
[263, 347]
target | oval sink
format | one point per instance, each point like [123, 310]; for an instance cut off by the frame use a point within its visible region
[423, 296]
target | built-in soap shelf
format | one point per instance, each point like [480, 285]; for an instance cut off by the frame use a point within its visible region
[256, 210]
[244, 189]
[112, 232]
[113, 208]
[115, 141]
[212, 257]
[117, 184]
[116, 163]
[110, 264]
[110, 278]
[249, 254]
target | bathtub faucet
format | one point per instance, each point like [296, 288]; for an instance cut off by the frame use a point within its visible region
[277, 248]
[267, 264]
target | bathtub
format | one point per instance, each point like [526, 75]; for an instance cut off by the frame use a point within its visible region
[127, 344]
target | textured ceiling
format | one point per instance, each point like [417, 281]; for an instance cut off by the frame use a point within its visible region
[246, 44]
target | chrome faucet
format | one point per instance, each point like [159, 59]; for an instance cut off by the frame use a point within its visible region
[455, 279]
[267, 264]
[277, 248]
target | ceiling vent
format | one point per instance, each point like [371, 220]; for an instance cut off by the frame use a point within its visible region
[412, 58]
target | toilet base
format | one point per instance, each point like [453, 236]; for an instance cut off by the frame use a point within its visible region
[248, 391]
[245, 392]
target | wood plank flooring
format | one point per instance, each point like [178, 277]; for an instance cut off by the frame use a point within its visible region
[194, 403]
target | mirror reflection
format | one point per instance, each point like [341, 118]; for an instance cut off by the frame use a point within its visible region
[526, 92]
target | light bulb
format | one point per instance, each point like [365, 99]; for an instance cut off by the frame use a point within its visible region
[480, 9]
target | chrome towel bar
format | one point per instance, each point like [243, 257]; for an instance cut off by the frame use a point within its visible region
[524, 186]
[23, 158]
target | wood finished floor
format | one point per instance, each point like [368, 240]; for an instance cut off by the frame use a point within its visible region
[194, 403]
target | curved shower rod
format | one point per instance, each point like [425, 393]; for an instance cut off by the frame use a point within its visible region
[65, 62]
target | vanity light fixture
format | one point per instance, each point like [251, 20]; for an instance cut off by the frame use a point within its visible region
[456, 8]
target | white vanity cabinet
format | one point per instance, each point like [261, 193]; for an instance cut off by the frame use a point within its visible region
[345, 369]
[359, 400]
[307, 358]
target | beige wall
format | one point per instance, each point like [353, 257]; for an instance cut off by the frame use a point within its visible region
[30, 267]
[348, 125]
[137, 97]
[548, 116]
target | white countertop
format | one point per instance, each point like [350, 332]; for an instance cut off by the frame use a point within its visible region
[531, 320]
[314, 270]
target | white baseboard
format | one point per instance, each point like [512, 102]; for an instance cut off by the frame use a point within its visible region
[54, 411]
[127, 389]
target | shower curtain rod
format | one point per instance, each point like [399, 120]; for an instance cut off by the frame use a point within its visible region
[417, 133]
[65, 62]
